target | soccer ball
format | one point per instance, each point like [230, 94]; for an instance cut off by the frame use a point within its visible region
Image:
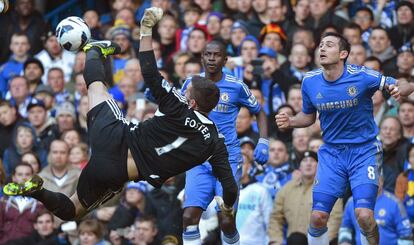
[72, 33]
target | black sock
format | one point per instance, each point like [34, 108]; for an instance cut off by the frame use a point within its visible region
[57, 203]
[94, 68]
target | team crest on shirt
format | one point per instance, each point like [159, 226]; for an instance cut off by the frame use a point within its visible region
[352, 91]
[225, 97]
[382, 212]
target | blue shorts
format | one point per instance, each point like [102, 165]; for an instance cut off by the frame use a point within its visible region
[201, 186]
[339, 164]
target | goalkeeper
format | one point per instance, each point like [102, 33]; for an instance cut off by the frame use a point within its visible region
[176, 140]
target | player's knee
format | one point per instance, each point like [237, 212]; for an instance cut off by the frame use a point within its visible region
[190, 217]
[319, 219]
[365, 218]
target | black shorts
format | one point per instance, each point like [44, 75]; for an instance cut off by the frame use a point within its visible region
[106, 172]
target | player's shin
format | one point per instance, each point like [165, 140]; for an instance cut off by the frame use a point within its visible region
[94, 68]
[370, 237]
[191, 235]
[318, 236]
[57, 203]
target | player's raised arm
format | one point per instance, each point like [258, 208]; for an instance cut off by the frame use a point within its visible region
[152, 77]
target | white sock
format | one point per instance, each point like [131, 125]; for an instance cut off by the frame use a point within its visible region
[363, 238]
[320, 240]
[191, 236]
[191, 242]
[233, 240]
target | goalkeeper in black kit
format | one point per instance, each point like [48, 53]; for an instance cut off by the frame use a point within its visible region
[178, 138]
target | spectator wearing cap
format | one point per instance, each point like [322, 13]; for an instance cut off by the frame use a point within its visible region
[403, 32]
[275, 83]
[405, 61]
[259, 18]
[23, 18]
[19, 94]
[192, 15]
[321, 16]
[294, 203]
[278, 169]
[41, 122]
[131, 206]
[33, 70]
[248, 51]
[53, 55]
[247, 146]
[120, 33]
[9, 119]
[19, 46]
[24, 140]
[65, 118]
[46, 94]
[238, 32]
[254, 206]
[214, 23]
[274, 37]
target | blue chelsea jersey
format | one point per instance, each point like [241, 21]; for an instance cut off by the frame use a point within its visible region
[233, 95]
[345, 105]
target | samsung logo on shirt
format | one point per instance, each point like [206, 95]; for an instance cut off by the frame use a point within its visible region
[221, 108]
[342, 104]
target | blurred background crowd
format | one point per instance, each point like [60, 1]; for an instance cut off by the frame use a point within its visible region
[271, 44]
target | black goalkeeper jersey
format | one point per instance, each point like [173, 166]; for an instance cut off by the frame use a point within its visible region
[177, 138]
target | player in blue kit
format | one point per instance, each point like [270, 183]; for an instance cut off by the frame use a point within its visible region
[390, 215]
[341, 94]
[201, 185]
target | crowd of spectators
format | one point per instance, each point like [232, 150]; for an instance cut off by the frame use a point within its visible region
[271, 44]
